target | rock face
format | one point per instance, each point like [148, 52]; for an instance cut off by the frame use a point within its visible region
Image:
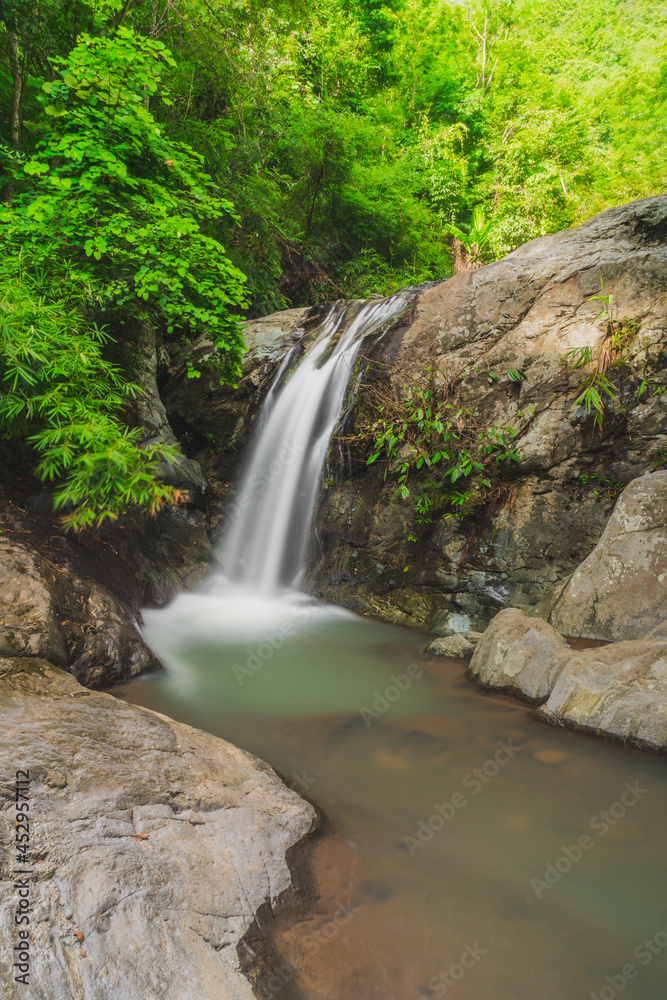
[524, 312]
[75, 599]
[620, 589]
[618, 690]
[154, 846]
[520, 313]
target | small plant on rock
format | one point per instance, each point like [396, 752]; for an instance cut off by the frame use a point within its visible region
[432, 435]
[612, 352]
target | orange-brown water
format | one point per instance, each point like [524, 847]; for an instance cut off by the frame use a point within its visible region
[455, 866]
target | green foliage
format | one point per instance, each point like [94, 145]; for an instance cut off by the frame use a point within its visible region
[59, 394]
[602, 487]
[431, 434]
[355, 138]
[477, 234]
[115, 212]
[612, 352]
[116, 222]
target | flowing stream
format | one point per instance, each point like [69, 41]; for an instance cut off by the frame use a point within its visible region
[473, 852]
[266, 544]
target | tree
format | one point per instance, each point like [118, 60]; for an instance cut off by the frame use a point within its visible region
[118, 222]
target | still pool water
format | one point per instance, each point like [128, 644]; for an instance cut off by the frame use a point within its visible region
[474, 853]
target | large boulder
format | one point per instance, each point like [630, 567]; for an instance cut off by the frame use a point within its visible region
[152, 846]
[620, 590]
[519, 654]
[619, 690]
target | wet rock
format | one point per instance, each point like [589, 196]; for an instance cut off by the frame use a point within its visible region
[451, 623]
[452, 645]
[620, 590]
[519, 654]
[619, 690]
[220, 417]
[76, 599]
[121, 800]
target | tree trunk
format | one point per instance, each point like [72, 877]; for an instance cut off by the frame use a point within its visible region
[149, 413]
[15, 116]
[153, 30]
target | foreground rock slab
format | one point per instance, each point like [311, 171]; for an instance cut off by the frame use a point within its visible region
[153, 844]
[618, 690]
[620, 590]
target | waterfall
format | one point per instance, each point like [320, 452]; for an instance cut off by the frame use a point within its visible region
[266, 543]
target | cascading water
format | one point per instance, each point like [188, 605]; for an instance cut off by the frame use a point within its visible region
[264, 551]
[267, 540]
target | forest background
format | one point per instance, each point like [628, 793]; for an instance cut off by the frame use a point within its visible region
[172, 165]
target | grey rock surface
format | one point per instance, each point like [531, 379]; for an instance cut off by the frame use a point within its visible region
[75, 599]
[222, 415]
[154, 845]
[620, 590]
[519, 654]
[619, 690]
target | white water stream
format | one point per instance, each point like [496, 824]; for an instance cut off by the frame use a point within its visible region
[267, 542]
